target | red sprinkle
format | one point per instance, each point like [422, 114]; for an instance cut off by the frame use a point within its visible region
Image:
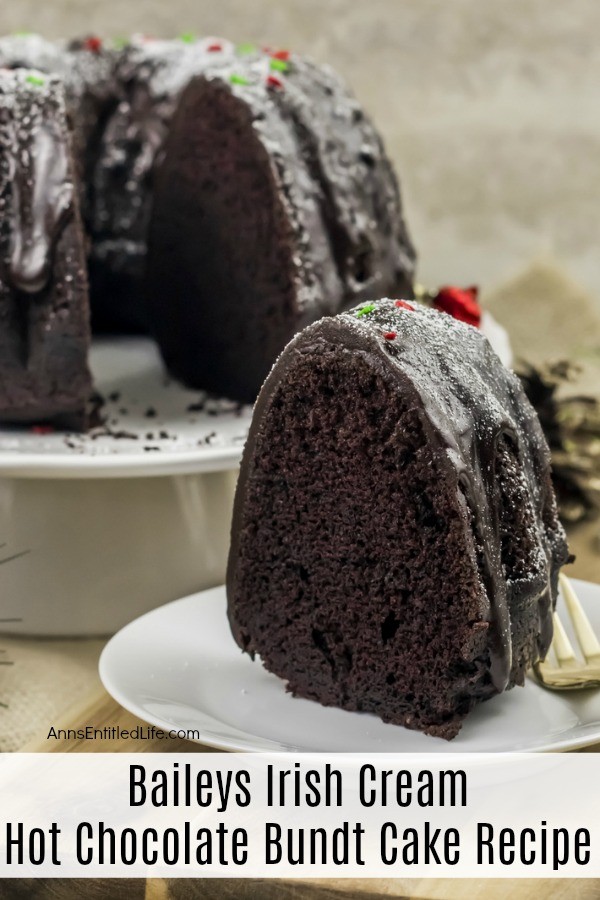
[390, 335]
[93, 43]
[402, 304]
[41, 429]
[281, 54]
[461, 303]
[215, 48]
[274, 82]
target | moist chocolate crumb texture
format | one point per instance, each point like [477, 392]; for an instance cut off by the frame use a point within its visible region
[44, 327]
[395, 541]
[274, 204]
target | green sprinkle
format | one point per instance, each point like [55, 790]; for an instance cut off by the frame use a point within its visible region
[279, 65]
[365, 309]
[119, 43]
[246, 49]
[188, 37]
[238, 79]
[35, 79]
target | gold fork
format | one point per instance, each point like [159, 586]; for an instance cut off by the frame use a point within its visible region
[571, 673]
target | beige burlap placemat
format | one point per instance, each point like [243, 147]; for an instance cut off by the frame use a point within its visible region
[549, 318]
[42, 679]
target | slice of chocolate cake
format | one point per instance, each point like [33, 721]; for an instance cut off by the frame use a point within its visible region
[395, 542]
[274, 205]
[44, 333]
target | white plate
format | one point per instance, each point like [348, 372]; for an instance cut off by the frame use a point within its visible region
[188, 434]
[178, 667]
[180, 438]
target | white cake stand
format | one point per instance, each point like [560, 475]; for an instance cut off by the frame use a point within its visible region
[98, 528]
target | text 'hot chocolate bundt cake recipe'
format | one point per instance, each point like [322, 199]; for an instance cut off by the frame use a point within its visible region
[395, 540]
[229, 196]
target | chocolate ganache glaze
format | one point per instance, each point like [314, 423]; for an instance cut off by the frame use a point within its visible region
[397, 549]
[150, 75]
[41, 205]
[87, 71]
[44, 337]
[41, 186]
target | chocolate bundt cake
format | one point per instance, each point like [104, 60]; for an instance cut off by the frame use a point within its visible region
[395, 541]
[44, 333]
[274, 204]
[229, 197]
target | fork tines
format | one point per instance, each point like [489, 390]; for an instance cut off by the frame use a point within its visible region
[570, 671]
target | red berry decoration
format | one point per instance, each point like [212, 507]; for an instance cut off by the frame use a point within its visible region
[461, 303]
[281, 54]
[94, 44]
[215, 48]
[390, 335]
[274, 82]
[402, 304]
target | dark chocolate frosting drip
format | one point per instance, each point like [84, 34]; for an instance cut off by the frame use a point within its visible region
[150, 76]
[39, 189]
[470, 405]
[42, 200]
[44, 340]
[360, 201]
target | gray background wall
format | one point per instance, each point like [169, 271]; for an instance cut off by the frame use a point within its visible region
[490, 109]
